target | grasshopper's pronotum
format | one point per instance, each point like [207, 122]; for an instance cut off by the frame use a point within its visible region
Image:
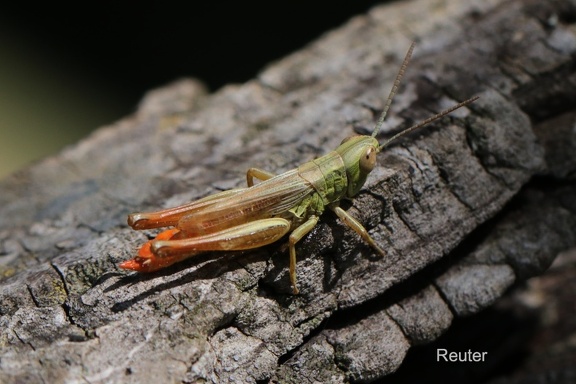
[247, 218]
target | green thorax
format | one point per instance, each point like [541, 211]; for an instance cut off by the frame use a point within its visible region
[327, 174]
[336, 175]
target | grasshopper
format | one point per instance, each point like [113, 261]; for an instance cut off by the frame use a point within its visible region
[252, 217]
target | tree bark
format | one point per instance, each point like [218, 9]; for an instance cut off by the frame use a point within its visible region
[465, 208]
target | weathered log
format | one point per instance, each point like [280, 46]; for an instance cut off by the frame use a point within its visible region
[465, 209]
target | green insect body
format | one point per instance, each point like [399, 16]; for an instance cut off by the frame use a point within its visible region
[248, 218]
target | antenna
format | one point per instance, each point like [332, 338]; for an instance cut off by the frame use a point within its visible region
[394, 89]
[428, 121]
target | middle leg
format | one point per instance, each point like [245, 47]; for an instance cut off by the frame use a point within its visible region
[257, 173]
[295, 236]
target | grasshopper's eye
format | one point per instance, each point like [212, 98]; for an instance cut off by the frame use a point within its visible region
[368, 160]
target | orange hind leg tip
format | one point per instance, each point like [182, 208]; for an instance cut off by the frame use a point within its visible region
[147, 261]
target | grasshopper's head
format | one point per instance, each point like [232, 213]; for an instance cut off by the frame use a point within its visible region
[359, 156]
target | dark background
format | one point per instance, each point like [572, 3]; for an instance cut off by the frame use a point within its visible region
[66, 70]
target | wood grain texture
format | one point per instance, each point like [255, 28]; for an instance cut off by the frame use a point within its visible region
[466, 208]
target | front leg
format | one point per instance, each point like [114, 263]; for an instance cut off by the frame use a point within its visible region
[357, 227]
